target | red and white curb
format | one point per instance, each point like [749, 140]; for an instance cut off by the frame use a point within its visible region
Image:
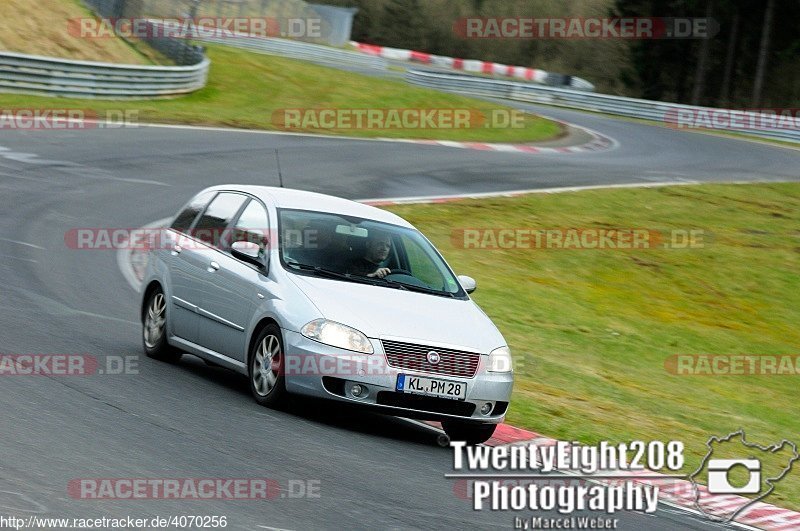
[535, 75]
[598, 143]
[672, 491]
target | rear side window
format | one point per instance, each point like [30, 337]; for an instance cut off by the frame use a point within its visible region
[212, 224]
[188, 215]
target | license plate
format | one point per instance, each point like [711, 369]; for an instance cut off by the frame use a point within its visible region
[420, 385]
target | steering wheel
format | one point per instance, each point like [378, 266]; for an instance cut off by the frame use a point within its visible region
[400, 272]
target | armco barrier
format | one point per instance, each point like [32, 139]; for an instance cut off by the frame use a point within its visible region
[590, 101]
[315, 53]
[287, 48]
[35, 74]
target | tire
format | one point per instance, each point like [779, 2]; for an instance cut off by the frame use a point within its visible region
[154, 329]
[268, 386]
[470, 432]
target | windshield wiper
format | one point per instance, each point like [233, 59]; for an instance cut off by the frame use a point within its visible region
[374, 281]
[420, 289]
[321, 271]
[410, 287]
[386, 282]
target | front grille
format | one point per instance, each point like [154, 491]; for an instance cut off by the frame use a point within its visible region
[426, 403]
[415, 358]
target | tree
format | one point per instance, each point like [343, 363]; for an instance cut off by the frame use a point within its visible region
[763, 53]
[403, 24]
[702, 61]
[730, 56]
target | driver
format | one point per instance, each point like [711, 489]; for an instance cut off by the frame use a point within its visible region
[377, 251]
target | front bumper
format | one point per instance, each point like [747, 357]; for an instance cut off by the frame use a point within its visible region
[314, 369]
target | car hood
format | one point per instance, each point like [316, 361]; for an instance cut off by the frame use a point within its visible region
[403, 315]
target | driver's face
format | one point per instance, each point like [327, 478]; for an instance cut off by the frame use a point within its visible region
[378, 249]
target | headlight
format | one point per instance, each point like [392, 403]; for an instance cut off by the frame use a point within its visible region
[337, 335]
[500, 360]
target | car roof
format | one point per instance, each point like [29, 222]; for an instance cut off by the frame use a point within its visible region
[302, 200]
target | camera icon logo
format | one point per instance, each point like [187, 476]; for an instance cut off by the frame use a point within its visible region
[719, 481]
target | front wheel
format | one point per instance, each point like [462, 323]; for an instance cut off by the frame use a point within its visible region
[154, 329]
[470, 432]
[265, 368]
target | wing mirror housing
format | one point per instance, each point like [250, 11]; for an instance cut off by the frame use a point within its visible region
[468, 283]
[248, 252]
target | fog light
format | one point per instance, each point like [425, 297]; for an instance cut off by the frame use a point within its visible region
[486, 408]
[356, 390]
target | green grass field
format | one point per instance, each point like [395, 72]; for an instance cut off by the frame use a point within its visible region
[245, 89]
[591, 330]
[46, 31]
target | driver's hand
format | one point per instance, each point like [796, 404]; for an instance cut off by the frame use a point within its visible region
[381, 272]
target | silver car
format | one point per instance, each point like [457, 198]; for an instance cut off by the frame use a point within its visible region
[316, 295]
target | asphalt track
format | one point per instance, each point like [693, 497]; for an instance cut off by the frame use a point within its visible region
[194, 421]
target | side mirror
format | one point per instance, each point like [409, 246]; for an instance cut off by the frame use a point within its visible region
[247, 251]
[468, 283]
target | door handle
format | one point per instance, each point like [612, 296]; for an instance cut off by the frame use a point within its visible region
[176, 250]
[213, 266]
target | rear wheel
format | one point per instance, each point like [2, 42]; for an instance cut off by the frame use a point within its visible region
[470, 432]
[265, 368]
[154, 329]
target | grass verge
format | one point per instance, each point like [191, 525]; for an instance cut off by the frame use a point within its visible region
[41, 28]
[246, 89]
[591, 330]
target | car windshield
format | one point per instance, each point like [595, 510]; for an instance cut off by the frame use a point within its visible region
[358, 250]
